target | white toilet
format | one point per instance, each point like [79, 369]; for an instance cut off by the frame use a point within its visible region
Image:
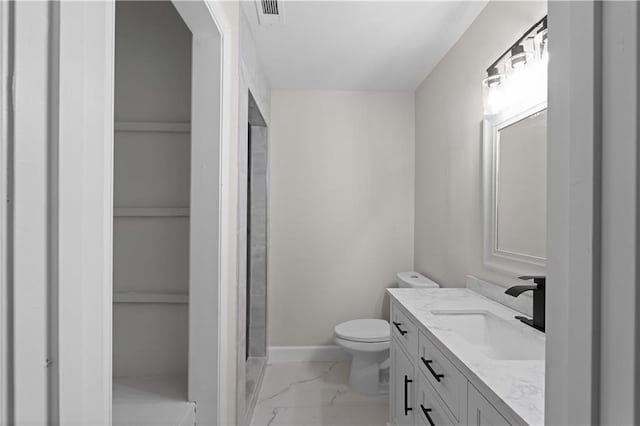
[368, 341]
[413, 279]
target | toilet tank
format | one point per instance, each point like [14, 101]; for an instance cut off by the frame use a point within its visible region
[412, 279]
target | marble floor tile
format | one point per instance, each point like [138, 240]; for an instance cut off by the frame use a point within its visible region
[253, 369]
[315, 393]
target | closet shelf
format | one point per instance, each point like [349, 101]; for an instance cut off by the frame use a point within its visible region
[151, 211]
[149, 297]
[152, 126]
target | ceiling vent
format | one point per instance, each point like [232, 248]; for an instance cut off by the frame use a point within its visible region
[270, 12]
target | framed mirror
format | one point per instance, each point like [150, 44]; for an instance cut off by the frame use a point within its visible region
[515, 191]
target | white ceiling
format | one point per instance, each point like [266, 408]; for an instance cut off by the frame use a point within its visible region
[359, 45]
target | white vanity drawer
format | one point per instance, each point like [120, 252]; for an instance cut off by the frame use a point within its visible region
[444, 377]
[428, 406]
[404, 330]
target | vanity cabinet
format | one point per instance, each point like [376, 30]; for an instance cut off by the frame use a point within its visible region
[481, 412]
[427, 389]
[449, 383]
[404, 330]
[429, 407]
[404, 384]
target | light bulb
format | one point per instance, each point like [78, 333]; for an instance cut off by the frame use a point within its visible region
[519, 58]
[494, 78]
[541, 43]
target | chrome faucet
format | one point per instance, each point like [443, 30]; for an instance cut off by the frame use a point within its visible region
[538, 300]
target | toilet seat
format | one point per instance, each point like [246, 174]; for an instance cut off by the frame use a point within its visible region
[363, 347]
[364, 331]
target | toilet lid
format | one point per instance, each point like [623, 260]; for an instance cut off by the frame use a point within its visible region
[364, 330]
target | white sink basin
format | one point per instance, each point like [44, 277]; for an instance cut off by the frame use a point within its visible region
[493, 336]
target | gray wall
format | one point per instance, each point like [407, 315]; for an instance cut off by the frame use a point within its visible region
[251, 78]
[341, 208]
[448, 155]
[250, 65]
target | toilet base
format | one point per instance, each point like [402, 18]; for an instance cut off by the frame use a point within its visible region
[368, 358]
[364, 374]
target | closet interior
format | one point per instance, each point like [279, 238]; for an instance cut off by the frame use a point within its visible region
[151, 215]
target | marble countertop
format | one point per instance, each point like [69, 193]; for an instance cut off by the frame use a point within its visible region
[518, 385]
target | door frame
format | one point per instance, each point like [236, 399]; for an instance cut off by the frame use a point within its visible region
[85, 76]
[28, 213]
[593, 236]
[210, 200]
[5, 78]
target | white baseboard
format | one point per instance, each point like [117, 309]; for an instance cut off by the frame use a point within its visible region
[329, 353]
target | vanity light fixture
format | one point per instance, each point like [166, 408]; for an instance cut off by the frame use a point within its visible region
[524, 65]
[519, 56]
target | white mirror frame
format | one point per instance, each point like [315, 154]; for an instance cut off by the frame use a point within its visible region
[494, 258]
